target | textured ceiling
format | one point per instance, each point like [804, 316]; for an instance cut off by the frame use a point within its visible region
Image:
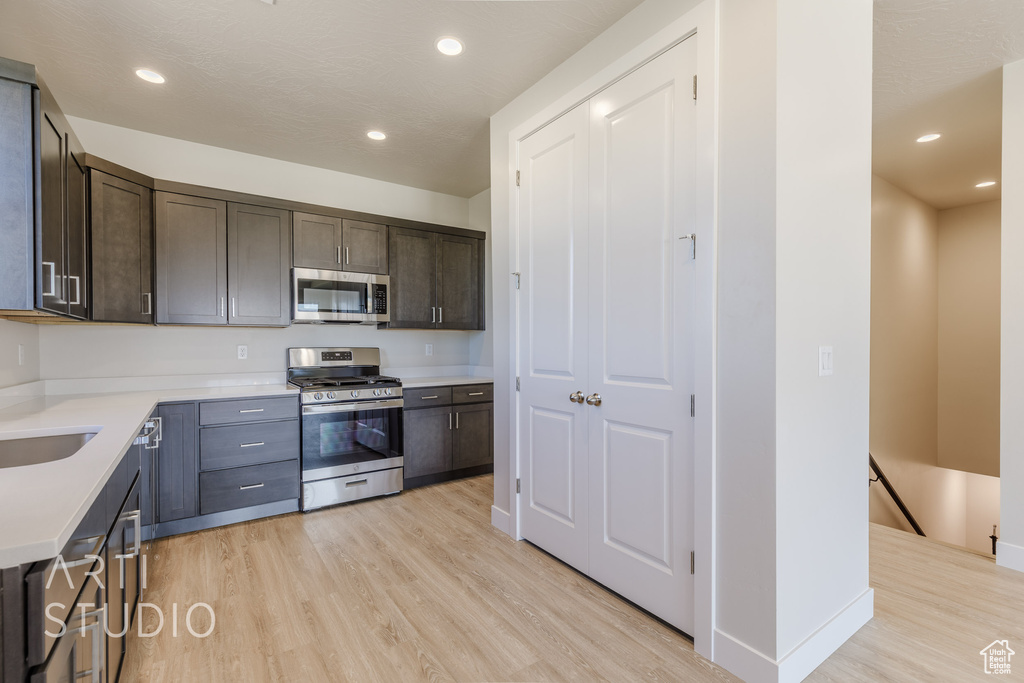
[303, 80]
[938, 68]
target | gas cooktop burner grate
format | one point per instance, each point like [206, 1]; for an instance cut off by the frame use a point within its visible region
[324, 382]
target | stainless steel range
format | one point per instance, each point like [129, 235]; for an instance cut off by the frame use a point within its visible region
[351, 425]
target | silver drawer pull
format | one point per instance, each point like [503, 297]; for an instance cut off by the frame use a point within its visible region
[427, 398]
[252, 410]
[476, 393]
[251, 486]
[250, 445]
[350, 484]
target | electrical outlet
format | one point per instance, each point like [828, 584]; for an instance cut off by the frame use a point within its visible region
[429, 350]
[21, 354]
[243, 352]
[824, 361]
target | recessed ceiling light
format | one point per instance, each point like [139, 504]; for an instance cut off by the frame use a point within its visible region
[987, 183]
[376, 135]
[148, 75]
[449, 46]
[929, 137]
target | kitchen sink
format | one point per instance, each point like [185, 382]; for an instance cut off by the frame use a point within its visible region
[39, 449]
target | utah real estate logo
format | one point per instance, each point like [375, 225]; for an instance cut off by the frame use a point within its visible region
[997, 657]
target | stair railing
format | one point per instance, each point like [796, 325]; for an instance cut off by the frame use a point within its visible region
[880, 477]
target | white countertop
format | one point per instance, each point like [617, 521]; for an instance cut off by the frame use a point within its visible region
[41, 505]
[417, 382]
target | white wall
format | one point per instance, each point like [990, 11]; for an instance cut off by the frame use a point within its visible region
[11, 336]
[1011, 386]
[793, 273]
[79, 351]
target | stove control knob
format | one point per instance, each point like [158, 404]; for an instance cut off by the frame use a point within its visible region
[355, 394]
[387, 392]
[376, 392]
[330, 394]
[318, 396]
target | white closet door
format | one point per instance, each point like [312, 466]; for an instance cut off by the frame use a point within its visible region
[553, 362]
[642, 168]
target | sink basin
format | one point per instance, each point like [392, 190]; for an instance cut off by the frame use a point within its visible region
[39, 449]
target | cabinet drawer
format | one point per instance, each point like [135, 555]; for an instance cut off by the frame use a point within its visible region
[473, 393]
[248, 410]
[427, 397]
[243, 487]
[238, 445]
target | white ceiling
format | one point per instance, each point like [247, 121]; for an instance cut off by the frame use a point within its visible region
[938, 68]
[304, 80]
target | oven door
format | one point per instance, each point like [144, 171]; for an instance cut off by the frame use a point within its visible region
[334, 296]
[341, 439]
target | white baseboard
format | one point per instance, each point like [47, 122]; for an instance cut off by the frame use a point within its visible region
[501, 519]
[755, 667]
[1009, 556]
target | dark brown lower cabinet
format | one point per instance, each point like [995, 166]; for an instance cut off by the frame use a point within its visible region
[176, 480]
[448, 433]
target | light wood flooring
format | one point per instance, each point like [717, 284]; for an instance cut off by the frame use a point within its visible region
[420, 587]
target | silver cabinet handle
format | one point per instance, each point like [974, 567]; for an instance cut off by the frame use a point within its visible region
[78, 290]
[98, 653]
[250, 445]
[147, 304]
[53, 278]
[136, 516]
[359, 482]
[251, 486]
[456, 420]
[433, 314]
[576, 398]
[449, 421]
[346, 256]
[476, 393]
[427, 398]
[222, 307]
[233, 314]
[440, 314]
[251, 410]
[594, 400]
[339, 254]
[155, 436]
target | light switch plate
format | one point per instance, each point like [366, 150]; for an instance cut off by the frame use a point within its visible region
[824, 361]
[429, 350]
[21, 354]
[243, 352]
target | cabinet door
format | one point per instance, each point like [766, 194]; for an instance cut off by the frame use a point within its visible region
[121, 218]
[259, 248]
[78, 262]
[133, 548]
[191, 260]
[116, 624]
[427, 441]
[176, 463]
[364, 247]
[474, 435]
[413, 278]
[317, 241]
[51, 276]
[459, 283]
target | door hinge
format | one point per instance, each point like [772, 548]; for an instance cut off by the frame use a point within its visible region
[518, 487]
[517, 280]
[694, 90]
[517, 174]
[692, 562]
[693, 405]
[517, 384]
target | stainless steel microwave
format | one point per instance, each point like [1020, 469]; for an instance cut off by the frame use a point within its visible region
[333, 296]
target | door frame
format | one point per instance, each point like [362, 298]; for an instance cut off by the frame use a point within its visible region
[702, 21]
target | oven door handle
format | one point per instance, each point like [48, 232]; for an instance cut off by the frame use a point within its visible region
[351, 407]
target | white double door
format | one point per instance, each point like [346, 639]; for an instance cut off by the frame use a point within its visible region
[606, 307]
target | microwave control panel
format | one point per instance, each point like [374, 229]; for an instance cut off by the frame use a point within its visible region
[380, 299]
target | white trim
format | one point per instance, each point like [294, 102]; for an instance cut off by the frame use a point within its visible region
[1010, 556]
[500, 519]
[756, 667]
[703, 21]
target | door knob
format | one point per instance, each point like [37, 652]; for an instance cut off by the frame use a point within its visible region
[576, 398]
[594, 400]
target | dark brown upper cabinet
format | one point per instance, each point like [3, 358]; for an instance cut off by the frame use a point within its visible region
[436, 280]
[62, 266]
[259, 249]
[328, 243]
[191, 260]
[220, 263]
[121, 240]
